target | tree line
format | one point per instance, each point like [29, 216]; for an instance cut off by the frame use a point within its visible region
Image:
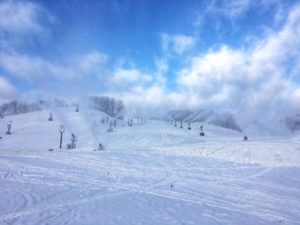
[109, 105]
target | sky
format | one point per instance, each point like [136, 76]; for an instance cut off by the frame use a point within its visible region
[237, 55]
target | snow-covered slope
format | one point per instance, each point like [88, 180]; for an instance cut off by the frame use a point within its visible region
[33, 131]
[150, 174]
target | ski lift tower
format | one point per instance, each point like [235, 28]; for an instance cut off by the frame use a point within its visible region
[110, 129]
[128, 122]
[61, 131]
[189, 126]
[201, 131]
[9, 126]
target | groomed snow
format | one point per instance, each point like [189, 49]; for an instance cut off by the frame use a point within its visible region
[216, 179]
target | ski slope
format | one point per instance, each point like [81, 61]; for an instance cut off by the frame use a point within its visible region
[148, 174]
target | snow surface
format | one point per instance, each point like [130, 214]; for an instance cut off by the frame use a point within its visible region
[216, 179]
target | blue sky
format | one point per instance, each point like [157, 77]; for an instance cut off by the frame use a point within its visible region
[232, 54]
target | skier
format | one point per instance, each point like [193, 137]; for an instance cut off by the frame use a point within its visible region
[73, 141]
[100, 147]
[50, 117]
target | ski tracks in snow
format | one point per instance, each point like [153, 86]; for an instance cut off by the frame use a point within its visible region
[152, 170]
[38, 209]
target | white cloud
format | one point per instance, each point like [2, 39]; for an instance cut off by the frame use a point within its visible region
[23, 24]
[216, 14]
[7, 90]
[214, 9]
[177, 44]
[20, 17]
[220, 67]
[255, 78]
[31, 68]
[173, 47]
[92, 62]
[36, 69]
[235, 8]
[182, 43]
[124, 77]
[253, 81]
[295, 99]
[152, 100]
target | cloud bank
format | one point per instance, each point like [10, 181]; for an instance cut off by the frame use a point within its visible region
[258, 78]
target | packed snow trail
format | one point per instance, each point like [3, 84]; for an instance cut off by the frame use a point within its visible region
[216, 179]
